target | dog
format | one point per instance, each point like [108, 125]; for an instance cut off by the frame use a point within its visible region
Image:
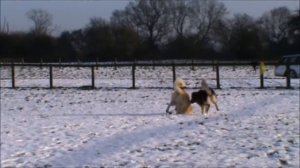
[180, 99]
[205, 97]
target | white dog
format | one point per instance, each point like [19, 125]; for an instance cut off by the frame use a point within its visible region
[180, 99]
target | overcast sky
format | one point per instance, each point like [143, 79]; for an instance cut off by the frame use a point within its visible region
[75, 14]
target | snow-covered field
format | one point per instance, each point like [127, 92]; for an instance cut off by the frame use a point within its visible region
[113, 126]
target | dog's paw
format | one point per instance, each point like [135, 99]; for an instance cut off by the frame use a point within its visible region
[169, 112]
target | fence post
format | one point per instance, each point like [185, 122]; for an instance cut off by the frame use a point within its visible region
[51, 76]
[288, 76]
[193, 66]
[133, 75]
[59, 62]
[153, 64]
[262, 70]
[261, 81]
[174, 72]
[93, 77]
[13, 75]
[97, 59]
[41, 63]
[115, 64]
[78, 63]
[218, 76]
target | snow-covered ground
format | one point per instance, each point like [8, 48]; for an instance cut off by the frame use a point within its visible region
[113, 126]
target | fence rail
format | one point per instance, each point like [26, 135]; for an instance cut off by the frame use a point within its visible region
[133, 66]
[122, 64]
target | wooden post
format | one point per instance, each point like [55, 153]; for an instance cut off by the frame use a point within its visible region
[193, 67]
[288, 76]
[214, 66]
[13, 75]
[59, 62]
[262, 70]
[261, 81]
[218, 76]
[93, 77]
[41, 63]
[174, 72]
[115, 64]
[133, 75]
[153, 65]
[97, 59]
[51, 76]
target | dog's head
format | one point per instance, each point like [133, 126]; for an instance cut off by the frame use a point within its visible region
[180, 84]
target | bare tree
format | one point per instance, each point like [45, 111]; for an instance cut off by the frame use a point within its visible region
[242, 38]
[42, 21]
[123, 18]
[294, 28]
[179, 15]
[151, 17]
[148, 17]
[96, 22]
[205, 15]
[5, 28]
[275, 23]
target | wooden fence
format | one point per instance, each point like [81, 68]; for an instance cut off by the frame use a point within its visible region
[133, 66]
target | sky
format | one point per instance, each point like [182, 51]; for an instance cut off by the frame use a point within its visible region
[75, 14]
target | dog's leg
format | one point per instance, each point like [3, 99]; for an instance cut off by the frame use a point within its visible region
[189, 110]
[208, 106]
[172, 103]
[167, 110]
[217, 106]
[203, 109]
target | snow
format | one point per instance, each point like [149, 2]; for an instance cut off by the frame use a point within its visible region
[112, 126]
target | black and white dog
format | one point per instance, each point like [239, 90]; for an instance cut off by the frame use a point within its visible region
[205, 97]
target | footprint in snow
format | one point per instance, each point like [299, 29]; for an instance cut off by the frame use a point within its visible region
[89, 137]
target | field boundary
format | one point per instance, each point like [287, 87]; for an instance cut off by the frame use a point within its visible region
[133, 66]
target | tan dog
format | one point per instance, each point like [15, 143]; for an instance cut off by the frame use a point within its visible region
[180, 99]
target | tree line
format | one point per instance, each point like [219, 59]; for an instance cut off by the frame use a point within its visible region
[152, 30]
